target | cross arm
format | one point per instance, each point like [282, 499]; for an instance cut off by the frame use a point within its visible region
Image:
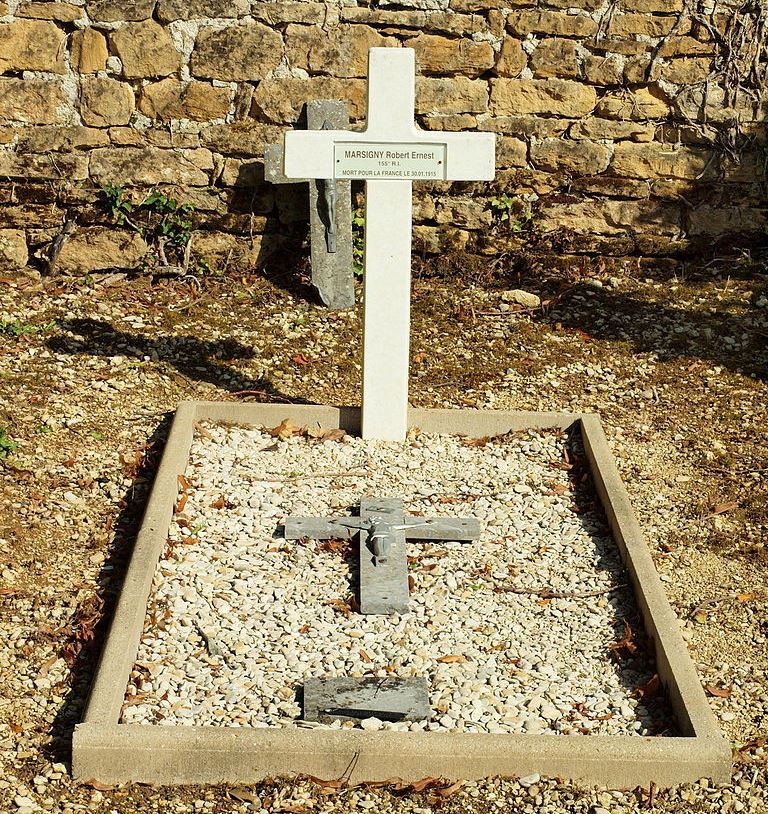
[273, 166]
[317, 528]
[459, 529]
[469, 156]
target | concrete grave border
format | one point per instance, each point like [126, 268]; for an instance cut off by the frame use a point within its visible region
[110, 752]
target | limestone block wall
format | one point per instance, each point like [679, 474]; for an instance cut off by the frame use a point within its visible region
[623, 126]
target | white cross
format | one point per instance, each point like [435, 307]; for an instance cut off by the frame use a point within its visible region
[428, 155]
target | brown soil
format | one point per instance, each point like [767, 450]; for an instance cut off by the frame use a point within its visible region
[676, 367]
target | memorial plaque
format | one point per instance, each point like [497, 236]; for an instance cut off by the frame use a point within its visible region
[404, 162]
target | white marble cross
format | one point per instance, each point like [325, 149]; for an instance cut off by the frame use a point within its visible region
[389, 154]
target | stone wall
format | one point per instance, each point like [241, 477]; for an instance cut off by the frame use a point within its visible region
[624, 126]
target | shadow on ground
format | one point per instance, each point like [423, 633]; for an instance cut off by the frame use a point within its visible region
[737, 341]
[91, 620]
[194, 358]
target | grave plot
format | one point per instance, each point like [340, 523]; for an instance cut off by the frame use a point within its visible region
[512, 657]
[491, 654]
[528, 628]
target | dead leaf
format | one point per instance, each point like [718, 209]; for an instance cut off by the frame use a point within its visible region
[94, 784]
[325, 434]
[411, 584]
[457, 659]
[339, 605]
[650, 689]
[476, 442]
[425, 782]
[326, 784]
[543, 602]
[285, 429]
[745, 597]
[245, 795]
[722, 508]
[718, 692]
[301, 359]
[625, 646]
[667, 548]
[46, 666]
[24, 473]
[202, 431]
[184, 484]
[335, 546]
[365, 657]
[757, 743]
[181, 503]
[449, 791]
[304, 629]
[219, 503]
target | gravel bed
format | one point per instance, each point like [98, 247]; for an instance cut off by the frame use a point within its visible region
[239, 617]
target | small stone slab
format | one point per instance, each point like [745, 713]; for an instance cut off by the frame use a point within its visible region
[355, 699]
[273, 166]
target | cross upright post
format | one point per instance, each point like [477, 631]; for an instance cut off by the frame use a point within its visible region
[388, 155]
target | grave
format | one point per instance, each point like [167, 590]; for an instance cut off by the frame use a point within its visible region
[110, 749]
[330, 212]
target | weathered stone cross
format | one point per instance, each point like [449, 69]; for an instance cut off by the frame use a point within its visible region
[330, 212]
[382, 529]
[389, 154]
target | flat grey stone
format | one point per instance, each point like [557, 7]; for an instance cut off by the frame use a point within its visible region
[355, 699]
[273, 166]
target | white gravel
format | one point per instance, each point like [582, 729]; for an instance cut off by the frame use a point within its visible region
[239, 617]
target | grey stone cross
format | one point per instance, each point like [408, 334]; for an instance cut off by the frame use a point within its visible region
[382, 530]
[330, 212]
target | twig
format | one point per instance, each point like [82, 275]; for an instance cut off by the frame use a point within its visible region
[548, 593]
[187, 253]
[706, 603]
[161, 250]
[272, 396]
[350, 473]
[735, 471]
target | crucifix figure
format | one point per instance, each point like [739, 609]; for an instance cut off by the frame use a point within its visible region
[388, 155]
[382, 530]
